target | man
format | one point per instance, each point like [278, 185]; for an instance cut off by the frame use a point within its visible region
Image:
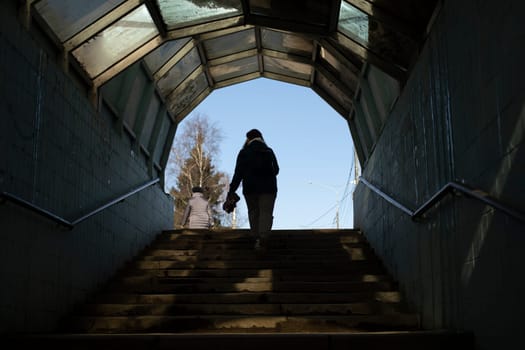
[197, 213]
[257, 169]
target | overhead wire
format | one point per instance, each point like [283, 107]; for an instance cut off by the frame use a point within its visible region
[345, 206]
[341, 202]
[320, 217]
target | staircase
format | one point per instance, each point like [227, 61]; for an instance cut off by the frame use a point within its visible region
[317, 289]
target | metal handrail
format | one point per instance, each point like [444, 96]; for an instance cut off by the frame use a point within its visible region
[28, 205]
[70, 224]
[449, 187]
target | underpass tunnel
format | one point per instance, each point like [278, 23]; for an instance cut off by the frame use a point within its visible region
[93, 91]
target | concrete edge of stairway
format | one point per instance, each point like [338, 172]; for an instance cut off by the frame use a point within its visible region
[406, 340]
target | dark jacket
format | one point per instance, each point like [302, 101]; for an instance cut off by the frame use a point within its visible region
[255, 181]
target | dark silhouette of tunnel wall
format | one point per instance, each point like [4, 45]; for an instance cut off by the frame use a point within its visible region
[60, 154]
[461, 116]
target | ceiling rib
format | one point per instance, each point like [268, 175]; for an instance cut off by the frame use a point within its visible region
[232, 57]
[315, 50]
[223, 32]
[287, 56]
[197, 29]
[204, 63]
[287, 79]
[236, 80]
[258, 43]
[156, 15]
[334, 15]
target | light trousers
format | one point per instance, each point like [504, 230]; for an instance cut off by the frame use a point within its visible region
[260, 213]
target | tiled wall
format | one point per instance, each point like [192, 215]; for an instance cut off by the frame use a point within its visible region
[61, 154]
[460, 117]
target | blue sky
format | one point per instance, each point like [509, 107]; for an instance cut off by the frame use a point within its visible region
[311, 140]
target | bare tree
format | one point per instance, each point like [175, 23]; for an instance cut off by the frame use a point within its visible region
[192, 164]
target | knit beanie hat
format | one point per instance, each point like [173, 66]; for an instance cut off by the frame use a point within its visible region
[254, 133]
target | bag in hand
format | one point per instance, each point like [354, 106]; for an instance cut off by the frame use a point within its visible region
[231, 202]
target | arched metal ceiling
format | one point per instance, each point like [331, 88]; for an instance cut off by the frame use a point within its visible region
[192, 47]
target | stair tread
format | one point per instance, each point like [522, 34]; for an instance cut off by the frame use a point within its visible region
[245, 339]
[303, 277]
[253, 264]
[251, 297]
[257, 287]
[213, 281]
[252, 323]
[356, 308]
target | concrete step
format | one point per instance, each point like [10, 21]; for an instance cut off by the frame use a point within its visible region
[351, 253]
[243, 233]
[241, 286]
[198, 281]
[393, 340]
[242, 323]
[178, 309]
[274, 240]
[327, 264]
[277, 236]
[248, 297]
[295, 247]
[301, 276]
[199, 289]
[346, 272]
